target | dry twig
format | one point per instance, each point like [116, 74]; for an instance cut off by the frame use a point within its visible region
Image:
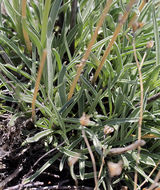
[28, 185]
[51, 187]
[115, 151]
[11, 177]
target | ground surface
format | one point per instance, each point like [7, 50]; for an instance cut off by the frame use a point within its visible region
[17, 161]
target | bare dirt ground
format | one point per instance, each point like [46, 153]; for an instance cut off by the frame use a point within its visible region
[17, 161]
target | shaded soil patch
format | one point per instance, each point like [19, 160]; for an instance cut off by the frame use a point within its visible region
[17, 161]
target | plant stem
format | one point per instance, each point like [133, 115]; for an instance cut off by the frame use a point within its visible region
[102, 164]
[116, 32]
[155, 184]
[145, 181]
[135, 15]
[92, 157]
[116, 151]
[25, 34]
[43, 59]
[89, 48]
[139, 66]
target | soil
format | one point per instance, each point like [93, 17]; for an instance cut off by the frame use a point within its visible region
[17, 161]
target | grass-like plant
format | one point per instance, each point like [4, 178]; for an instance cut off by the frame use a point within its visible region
[115, 101]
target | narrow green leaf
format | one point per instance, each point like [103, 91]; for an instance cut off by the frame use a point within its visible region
[53, 15]
[59, 119]
[38, 136]
[82, 165]
[118, 121]
[33, 36]
[58, 59]
[50, 72]
[62, 88]
[95, 102]
[146, 159]
[11, 44]
[45, 23]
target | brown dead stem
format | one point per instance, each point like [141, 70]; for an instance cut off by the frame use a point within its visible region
[92, 158]
[102, 165]
[135, 15]
[116, 151]
[146, 180]
[43, 59]
[84, 121]
[89, 48]
[117, 30]
[155, 184]
[25, 34]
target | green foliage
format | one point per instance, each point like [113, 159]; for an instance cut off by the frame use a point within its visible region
[111, 101]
